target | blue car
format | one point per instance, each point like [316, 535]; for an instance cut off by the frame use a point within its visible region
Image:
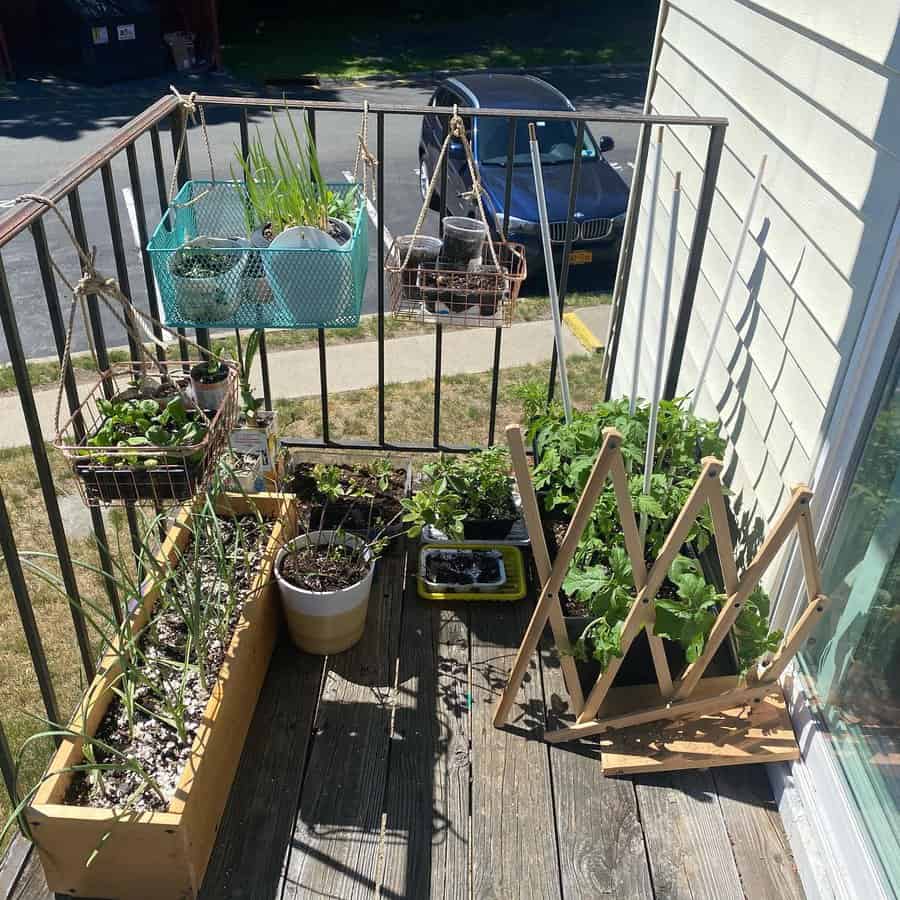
[602, 195]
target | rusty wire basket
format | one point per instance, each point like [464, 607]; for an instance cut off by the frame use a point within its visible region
[148, 474]
[476, 294]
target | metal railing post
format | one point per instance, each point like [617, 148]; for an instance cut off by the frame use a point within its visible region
[379, 227]
[26, 614]
[695, 258]
[59, 336]
[44, 472]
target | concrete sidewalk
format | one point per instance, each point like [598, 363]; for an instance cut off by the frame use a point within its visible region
[352, 366]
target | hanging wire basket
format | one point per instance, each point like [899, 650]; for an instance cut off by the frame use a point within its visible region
[479, 294]
[210, 273]
[145, 474]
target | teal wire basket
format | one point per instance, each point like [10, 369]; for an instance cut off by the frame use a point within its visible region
[210, 274]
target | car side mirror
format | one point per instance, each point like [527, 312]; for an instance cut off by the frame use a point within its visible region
[606, 143]
[456, 150]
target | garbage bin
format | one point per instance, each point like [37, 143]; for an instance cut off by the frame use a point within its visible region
[103, 41]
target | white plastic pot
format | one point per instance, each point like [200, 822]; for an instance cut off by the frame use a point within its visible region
[325, 622]
[214, 299]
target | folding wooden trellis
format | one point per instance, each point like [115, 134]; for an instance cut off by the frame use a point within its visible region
[691, 721]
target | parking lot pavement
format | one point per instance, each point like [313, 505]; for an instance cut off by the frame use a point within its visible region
[46, 126]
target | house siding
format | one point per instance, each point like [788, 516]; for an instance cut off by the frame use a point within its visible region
[815, 89]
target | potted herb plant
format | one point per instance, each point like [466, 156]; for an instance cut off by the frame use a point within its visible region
[255, 432]
[205, 274]
[291, 211]
[325, 576]
[211, 381]
[599, 586]
[129, 805]
[467, 497]
[380, 483]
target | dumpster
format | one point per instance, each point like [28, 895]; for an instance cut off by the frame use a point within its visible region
[102, 41]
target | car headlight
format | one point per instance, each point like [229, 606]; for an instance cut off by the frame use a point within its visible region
[516, 225]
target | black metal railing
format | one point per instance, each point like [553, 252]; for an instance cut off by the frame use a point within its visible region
[63, 190]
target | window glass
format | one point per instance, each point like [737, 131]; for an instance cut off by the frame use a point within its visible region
[556, 140]
[852, 660]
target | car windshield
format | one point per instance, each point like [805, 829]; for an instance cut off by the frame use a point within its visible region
[556, 140]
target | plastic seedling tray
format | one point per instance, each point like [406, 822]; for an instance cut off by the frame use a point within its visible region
[514, 588]
[470, 557]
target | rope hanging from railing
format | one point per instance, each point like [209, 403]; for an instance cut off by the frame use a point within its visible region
[457, 130]
[107, 290]
[365, 159]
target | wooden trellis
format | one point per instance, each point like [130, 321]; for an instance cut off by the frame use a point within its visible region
[720, 720]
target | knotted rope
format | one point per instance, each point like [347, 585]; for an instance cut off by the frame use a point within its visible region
[364, 157]
[93, 283]
[190, 110]
[457, 130]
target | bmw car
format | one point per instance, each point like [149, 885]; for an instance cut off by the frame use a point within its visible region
[602, 195]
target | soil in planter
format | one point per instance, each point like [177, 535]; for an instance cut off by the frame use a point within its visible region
[316, 569]
[463, 567]
[385, 507]
[154, 744]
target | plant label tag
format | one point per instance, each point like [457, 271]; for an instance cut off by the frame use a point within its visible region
[100, 34]
[125, 32]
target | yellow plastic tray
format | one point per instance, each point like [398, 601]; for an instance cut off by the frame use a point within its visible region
[516, 585]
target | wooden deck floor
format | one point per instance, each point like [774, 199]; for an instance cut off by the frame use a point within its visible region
[378, 773]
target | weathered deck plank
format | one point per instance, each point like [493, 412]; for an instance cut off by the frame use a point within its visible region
[337, 835]
[513, 834]
[256, 830]
[601, 842]
[404, 732]
[427, 798]
[761, 850]
[687, 842]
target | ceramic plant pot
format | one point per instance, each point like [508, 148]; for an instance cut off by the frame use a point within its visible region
[325, 622]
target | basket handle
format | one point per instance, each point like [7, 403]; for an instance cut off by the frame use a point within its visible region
[457, 129]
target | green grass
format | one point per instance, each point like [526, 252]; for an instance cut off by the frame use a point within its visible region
[528, 309]
[288, 46]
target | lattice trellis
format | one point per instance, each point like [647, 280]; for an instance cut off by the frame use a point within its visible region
[689, 695]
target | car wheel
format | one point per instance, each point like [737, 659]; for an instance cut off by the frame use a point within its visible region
[424, 181]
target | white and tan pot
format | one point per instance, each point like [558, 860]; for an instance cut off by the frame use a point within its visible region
[325, 622]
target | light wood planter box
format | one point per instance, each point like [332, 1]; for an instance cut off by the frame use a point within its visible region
[163, 855]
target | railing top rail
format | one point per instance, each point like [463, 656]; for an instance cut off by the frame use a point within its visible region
[403, 110]
[24, 214]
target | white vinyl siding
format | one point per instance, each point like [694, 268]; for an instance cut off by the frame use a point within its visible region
[815, 89]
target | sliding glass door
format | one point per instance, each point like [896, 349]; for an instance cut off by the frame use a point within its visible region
[853, 660]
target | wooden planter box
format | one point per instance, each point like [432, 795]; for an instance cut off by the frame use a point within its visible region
[163, 855]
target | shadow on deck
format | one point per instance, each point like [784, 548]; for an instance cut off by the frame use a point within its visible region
[378, 773]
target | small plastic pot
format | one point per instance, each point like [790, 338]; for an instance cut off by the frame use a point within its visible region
[425, 251]
[463, 239]
[210, 388]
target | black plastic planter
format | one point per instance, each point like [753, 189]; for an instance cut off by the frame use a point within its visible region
[423, 251]
[463, 239]
[487, 529]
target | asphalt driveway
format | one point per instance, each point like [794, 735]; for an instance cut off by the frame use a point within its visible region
[47, 125]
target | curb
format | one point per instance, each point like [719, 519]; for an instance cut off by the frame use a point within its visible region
[584, 335]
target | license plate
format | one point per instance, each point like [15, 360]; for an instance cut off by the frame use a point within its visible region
[580, 257]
